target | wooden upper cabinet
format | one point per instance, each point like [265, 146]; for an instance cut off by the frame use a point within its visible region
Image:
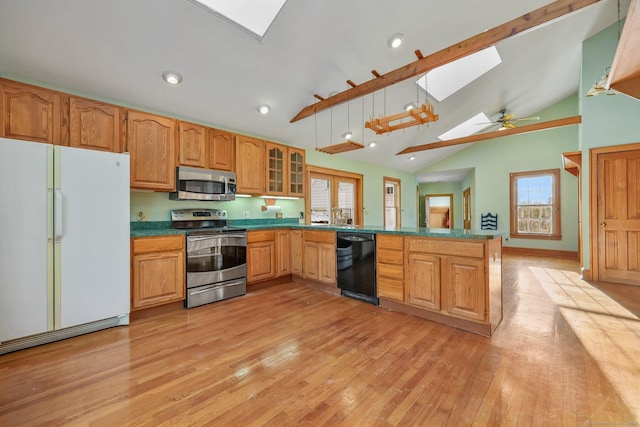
[31, 113]
[151, 140]
[276, 169]
[193, 142]
[250, 165]
[94, 125]
[220, 150]
[296, 165]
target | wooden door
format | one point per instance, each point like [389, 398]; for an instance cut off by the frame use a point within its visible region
[618, 217]
[276, 172]
[94, 125]
[250, 165]
[192, 141]
[30, 113]
[296, 249]
[152, 143]
[464, 288]
[423, 274]
[283, 256]
[221, 150]
[296, 172]
[466, 208]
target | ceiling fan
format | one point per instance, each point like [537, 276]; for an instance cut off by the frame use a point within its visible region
[508, 121]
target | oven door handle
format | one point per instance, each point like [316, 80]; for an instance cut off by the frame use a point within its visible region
[215, 288]
[212, 237]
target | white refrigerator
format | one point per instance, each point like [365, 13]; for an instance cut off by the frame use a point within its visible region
[64, 242]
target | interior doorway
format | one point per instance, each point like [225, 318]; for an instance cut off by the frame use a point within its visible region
[466, 208]
[438, 209]
[392, 208]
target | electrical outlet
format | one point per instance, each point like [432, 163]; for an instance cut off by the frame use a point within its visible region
[245, 214]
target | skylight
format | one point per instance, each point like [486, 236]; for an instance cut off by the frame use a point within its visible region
[450, 78]
[254, 16]
[469, 127]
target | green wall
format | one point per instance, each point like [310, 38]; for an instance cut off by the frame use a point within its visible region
[606, 120]
[495, 159]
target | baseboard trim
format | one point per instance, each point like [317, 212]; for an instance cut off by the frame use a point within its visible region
[510, 250]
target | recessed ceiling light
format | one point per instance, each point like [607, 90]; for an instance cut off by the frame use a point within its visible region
[409, 106]
[395, 41]
[347, 135]
[372, 144]
[172, 77]
[263, 109]
[412, 158]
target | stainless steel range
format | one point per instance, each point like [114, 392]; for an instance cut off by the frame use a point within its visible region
[216, 255]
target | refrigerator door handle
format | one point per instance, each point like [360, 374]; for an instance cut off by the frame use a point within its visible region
[57, 215]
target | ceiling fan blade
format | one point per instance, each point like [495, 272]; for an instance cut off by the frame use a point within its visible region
[525, 118]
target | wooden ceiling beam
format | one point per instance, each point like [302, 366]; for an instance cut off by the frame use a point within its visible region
[466, 47]
[574, 120]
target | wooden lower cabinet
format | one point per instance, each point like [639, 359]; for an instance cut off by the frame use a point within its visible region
[283, 253]
[464, 287]
[157, 271]
[261, 255]
[390, 267]
[423, 285]
[319, 259]
[296, 250]
[453, 281]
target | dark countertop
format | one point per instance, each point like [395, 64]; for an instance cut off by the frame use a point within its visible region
[163, 228]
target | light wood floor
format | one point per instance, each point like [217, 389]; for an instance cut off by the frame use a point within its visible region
[565, 354]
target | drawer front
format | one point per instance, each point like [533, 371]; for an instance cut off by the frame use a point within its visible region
[391, 271]
[320, 236]
[391, 288]
[390, 257]
[261, 236]
[158, 244]
[446, 247]
[386, 241]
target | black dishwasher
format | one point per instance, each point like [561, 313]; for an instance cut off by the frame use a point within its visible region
[356, 265]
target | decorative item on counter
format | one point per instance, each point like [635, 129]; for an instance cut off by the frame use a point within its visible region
[341, 216]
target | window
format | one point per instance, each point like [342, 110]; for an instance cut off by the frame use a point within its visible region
[535, 204]
[336, 196]
[392, 207]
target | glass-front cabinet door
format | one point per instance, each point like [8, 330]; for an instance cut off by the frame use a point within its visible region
[276, 170]
[296, 172]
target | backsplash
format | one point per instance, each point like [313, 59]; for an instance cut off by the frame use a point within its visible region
[156, 207]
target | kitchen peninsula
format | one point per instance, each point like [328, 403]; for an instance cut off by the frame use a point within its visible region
[451, 276]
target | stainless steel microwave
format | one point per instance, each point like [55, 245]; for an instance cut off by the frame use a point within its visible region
[204, 184]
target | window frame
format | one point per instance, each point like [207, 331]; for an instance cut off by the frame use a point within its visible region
[556, 208]
[335, 176]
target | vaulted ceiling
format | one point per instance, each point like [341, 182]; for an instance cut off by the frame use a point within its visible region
[117, 50]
